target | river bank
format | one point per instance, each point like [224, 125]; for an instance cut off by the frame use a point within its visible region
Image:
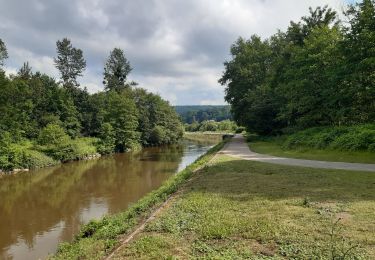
[240, 209]
[204, 136]
[98, 238]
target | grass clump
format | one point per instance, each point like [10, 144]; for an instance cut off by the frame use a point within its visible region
[99, 237]
[235, 209]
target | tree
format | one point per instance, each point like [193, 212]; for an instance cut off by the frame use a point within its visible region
[3, 53]
[116, 70]
[358, 69]
[25, 71]
[69, 62]
[121, 112]
[107, 143]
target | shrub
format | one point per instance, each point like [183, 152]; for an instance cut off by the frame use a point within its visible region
[240, 129]
[56, 143]
[53, 134]
[350, 138]
[33, 159]
[22, 156]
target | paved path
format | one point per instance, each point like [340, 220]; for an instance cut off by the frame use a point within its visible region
[238, 147]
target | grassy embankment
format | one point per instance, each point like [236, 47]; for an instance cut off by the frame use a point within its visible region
[204, 136]
[99, 238]
[236, 209]
[345, 144]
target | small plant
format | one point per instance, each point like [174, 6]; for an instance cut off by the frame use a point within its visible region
[340, 248]
[306, 202]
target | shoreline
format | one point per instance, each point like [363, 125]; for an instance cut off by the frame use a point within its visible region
[88, 157]
[106, 234]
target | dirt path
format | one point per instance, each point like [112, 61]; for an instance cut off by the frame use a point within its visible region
[238, 147]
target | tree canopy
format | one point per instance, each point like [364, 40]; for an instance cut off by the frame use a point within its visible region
[59, 121]
[320, 72]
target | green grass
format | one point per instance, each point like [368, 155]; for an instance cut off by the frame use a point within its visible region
[204, 136]
[275, 147]
[236, 209]
[99, 237]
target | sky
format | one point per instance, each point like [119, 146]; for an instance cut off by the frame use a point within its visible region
[176, 47]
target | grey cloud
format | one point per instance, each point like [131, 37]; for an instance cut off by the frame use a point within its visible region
[176, 47]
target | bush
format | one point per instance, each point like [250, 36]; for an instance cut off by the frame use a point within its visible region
[240, 129]
[33, 159]
[350, 138]
[53, 134]
[22, 156]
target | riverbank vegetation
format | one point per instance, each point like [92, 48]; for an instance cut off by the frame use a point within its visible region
[204, 136]
[237, 209]
[318, 73]
[99, 237]
[44, 121]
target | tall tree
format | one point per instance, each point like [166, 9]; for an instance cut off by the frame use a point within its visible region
[25, 72]
[3, 53]
[69, 62]
[116, 70]
[359, 66]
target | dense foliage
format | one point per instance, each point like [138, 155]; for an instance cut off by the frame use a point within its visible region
[190, 114]
[43, 121]
[212, 126]
[320, 72]
[352, 138]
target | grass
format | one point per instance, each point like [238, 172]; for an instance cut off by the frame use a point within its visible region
[236, 209]
[275, 147]
[99, 237]
[204, 136]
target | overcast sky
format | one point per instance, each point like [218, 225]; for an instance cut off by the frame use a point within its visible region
[176, 47]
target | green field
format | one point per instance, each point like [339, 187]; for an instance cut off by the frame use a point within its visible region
[236, 209]
[276, 148]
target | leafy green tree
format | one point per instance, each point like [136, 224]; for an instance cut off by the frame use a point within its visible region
[25, 72]
[313, 97]
[116, 70]
[121, 112]
[3, 53]
[358, 70]
[107, 143]
[69, 62]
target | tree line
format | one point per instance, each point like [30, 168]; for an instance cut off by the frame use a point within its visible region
[319, 72]
[191, 114]
[213, 126]
[43, 119]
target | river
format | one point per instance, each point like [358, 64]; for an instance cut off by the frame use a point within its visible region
[41, 208]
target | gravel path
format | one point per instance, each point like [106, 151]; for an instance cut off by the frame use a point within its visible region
[238, 147]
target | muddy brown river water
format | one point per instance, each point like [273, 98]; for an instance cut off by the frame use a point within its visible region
[41, 208]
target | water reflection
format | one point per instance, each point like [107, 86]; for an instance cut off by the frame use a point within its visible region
[41, 208]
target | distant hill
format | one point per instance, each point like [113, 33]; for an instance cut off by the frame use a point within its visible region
[200, 113]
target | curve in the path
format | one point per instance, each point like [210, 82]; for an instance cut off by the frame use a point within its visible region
[238, 147]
